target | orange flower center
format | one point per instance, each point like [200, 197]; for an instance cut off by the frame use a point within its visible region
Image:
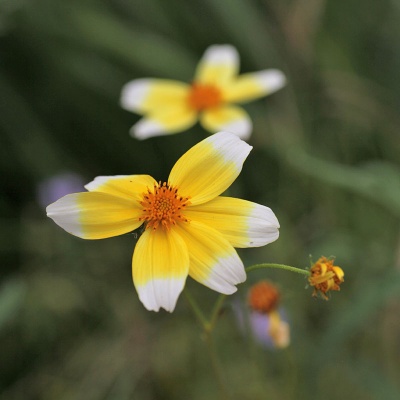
[162, 207]
[263, 297]
[204, 96]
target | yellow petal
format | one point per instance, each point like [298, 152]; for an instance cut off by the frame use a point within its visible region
[213, 260]
[227, 118]
[147, 95]
[278, 330]
[254, 85]
[241, 222]
[93, 215]
[130, 187]
[339, 273]
[160, 267]
[218, 66]
[209, 167]
[168, 119]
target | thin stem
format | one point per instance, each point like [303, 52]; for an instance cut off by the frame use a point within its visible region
[196, 310]
[279, 266]
[215, 312]
[216, 365]
[208, 326]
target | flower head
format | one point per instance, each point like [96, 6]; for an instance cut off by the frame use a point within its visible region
[190, 229]
[170, 106]
[324, 277]
[267, 321]
[263, 297]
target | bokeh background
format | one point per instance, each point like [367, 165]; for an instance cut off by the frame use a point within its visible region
[325, 159]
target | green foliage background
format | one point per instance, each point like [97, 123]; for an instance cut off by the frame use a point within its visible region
[325, 159]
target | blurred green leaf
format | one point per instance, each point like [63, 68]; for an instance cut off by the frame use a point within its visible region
[370, 377]
[142, 49]
[30, 141]
[377, 181]
[12, 294]
[247, 25]
[366, 302]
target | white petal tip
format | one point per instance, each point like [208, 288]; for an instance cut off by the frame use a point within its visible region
[65, 213]
[264, 226]
[145, 129]
[228, 139]
[230, 147]
[133, 94]
[221, 54]
[272, 80]
[224, 277]
[160, 293]
[241, 128]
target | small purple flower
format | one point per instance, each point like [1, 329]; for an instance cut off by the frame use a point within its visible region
[51, 189]
[270, 330]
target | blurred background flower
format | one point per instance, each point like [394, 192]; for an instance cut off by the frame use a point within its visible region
[57, 186]
[171, 106]
[263, 316]
[325, 159]
[271, 330]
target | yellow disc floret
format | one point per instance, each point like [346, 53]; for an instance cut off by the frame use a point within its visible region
[162, 206]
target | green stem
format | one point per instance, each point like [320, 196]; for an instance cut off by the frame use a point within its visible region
[215, 312]
[279, 266]
[196, 310]
[216, 366]
[208, 326]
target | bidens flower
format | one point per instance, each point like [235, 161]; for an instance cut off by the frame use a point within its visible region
[324, 277]
[170, 106]
[189, 228]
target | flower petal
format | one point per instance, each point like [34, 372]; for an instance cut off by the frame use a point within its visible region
[339, 273]
[241, 222]
[213, 260]
[254, 85]
[160, 266]
[219, 65]
[227, 118]
[130, 187]
[167, 120]
[209, 168]
[93, 215]
[146, 95]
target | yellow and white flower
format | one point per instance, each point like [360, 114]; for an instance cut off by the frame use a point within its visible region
[190, 228]
[170, 106]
